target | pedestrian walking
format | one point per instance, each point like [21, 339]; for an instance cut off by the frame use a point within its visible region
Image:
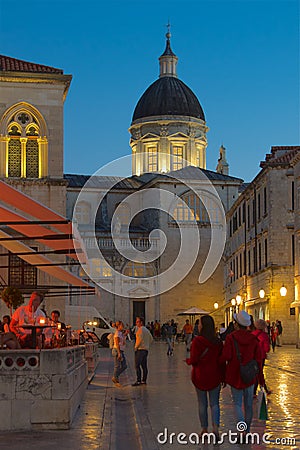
[227, 331]
[174, 325]
[187, 332]
[142, 345]
[196, 328]
[118, 353]
[241, 345]
[264, 343]
[274, 334]
[156, 330]
[207, 372]
[279, 333]
[169, 333]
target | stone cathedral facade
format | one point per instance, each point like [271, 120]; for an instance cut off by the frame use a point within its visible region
[168, 139]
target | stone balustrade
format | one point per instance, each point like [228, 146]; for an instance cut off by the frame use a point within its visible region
[108, 243]
[41, 389]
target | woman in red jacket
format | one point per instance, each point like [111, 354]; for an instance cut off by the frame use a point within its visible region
[207, 373]
[249, 349]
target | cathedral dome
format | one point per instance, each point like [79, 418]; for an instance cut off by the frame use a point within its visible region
[168, 96]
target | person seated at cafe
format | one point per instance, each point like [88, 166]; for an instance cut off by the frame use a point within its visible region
[27, 314]
[7, 338]
[5, 323]
[55, 315]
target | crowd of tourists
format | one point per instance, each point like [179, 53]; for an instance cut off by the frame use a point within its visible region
[233, 356]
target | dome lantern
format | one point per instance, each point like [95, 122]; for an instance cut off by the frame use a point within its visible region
[168, 60]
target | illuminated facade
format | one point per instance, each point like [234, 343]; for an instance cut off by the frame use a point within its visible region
[32, 153]
[261, 256]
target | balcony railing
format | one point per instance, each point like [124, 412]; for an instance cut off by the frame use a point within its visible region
[107, 243]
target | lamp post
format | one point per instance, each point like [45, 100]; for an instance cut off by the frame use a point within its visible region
[238, 302]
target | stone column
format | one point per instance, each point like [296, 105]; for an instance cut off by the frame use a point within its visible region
[3, 155]
[43, 157]
[23, 157]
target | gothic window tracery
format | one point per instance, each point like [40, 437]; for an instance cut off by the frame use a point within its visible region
[24, 158]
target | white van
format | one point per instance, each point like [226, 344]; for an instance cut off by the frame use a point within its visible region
[90, 319]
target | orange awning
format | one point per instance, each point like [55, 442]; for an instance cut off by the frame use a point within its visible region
[57, 236]
[23, 202]
[56, 271]
[37, 212]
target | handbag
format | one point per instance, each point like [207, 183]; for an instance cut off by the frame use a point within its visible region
[247, 371]
[262, 409]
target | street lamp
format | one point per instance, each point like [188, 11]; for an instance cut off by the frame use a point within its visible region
[261, 293]
[283, 291]
[216, 305]
[238, 300]
[233, 306]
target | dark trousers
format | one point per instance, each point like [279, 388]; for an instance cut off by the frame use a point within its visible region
[141, 362]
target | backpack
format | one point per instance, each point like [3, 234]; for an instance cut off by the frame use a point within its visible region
[248, 371]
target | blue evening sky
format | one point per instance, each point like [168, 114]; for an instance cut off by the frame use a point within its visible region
[241, 59]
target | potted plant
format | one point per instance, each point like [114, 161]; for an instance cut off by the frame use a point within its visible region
[12, 297]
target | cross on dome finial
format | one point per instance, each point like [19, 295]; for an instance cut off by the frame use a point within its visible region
[168, 59]
[168, 34]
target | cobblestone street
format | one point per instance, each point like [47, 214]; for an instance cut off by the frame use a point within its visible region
[130, 418]
[170, 400]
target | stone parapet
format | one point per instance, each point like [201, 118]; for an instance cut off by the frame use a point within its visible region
[41, 389]
[91, 356]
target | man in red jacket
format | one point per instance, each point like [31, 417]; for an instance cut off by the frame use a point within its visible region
[248, 346]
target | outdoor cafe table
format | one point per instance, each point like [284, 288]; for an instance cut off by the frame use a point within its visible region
[34, 329]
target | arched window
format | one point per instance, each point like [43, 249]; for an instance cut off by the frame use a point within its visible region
[138, 270]
[197, 209]
[32, 152]
[82, 213]
[23, 143]
[123, 213]
[14, 155]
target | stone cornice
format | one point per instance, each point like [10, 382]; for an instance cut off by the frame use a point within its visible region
[42, 78]
[35, 182]
[167, 120]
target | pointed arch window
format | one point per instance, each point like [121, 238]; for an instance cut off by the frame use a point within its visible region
[32, 152]
[24, 147]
